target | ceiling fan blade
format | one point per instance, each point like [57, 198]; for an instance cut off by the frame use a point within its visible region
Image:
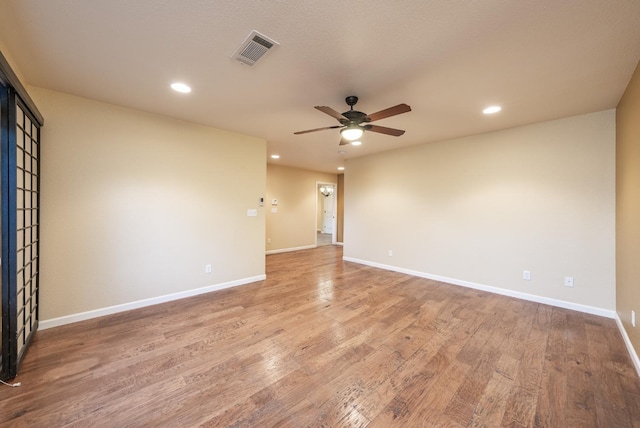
[331, 112]
[317, 129]
[385, 130]
[391, 111]
[344, 142]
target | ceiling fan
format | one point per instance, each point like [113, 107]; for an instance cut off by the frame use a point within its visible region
[353, 123]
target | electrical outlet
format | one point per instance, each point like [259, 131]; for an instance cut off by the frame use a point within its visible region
[568, 281]
[390, 253]
[526, 275]
[268, 240]
[633, 318]
[207, 268]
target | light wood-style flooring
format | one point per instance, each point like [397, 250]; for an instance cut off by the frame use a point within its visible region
[328, 343]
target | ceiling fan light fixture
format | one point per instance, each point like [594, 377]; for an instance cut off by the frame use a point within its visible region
[352, 133]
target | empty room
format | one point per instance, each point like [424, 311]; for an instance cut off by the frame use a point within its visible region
[304, 214]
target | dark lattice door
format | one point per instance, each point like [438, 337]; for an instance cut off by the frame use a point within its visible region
[20, 189]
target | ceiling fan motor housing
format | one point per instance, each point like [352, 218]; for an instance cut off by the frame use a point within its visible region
[354, 117]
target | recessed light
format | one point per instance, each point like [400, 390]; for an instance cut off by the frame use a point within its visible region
[356, 143]
[340, 168]
[492, 109]
[181, 87]
[275, 156]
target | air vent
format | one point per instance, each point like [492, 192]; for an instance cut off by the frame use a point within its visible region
[253, 48]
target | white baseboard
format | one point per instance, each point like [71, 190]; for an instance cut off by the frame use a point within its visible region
[339, 243]
[68, 319]
[287, 250]
[632, 352]
[496, 290]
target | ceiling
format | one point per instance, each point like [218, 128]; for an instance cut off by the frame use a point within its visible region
[447, 59]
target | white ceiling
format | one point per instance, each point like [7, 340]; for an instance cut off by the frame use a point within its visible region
[447, 59]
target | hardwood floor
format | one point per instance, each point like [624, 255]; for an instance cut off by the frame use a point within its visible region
[328, 343]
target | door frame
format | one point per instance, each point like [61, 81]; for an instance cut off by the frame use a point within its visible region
[334, 221]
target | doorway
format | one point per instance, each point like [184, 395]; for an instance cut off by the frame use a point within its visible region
[326, 226]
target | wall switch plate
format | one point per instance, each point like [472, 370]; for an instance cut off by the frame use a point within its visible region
[252, 212]
[526, 275]
[390, 253]
[207, 268]
[568, 281]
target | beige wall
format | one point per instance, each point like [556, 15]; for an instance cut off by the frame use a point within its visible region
[482, 209]
[294, 225]
[628, 208]
[134, 205]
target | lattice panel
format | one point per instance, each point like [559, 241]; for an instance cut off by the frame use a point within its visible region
[27, 226]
